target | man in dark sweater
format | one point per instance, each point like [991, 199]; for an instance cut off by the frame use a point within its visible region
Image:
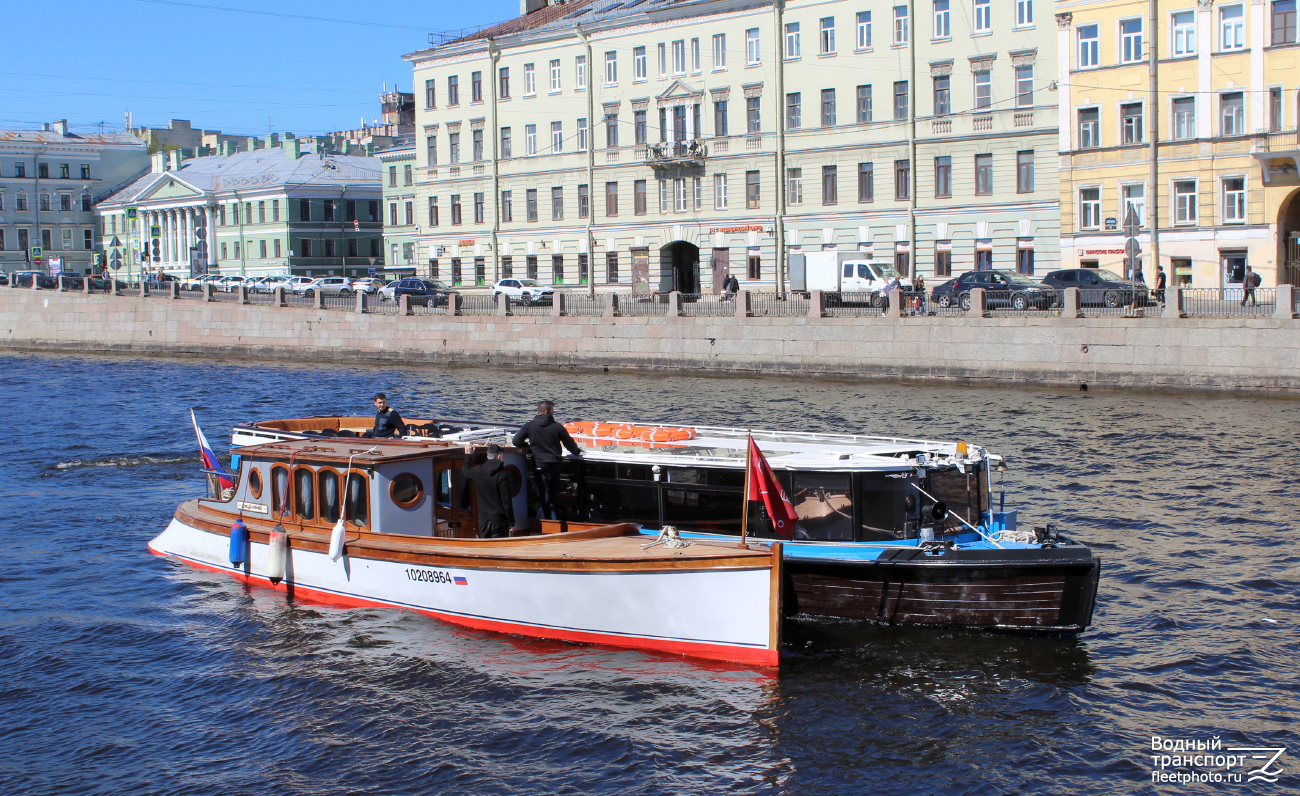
[493, 492]
[545, 437]
[387, 422]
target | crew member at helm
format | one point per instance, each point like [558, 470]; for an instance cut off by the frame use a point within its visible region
[388, 423]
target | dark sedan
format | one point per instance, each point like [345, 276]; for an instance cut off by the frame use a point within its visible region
[43, 280]
[1099, 287]
[1002, 289]
[427, 292]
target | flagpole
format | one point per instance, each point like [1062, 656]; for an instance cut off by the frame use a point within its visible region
[744, 512]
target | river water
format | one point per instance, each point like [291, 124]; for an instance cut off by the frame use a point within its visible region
[128, 674]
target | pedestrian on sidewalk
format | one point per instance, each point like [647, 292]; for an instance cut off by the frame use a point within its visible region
[1248, 284]
[1159, 293]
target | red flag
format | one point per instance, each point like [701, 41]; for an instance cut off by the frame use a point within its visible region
[764, 486]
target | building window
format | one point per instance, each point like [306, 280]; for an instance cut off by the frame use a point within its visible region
[1025, 171]
[557, 203]
[791, 40]
[476, 141]
[580, 73]
[43, 171]
[679, 57]
[611, 68]
[638, 64]
[1234, 200]
[983, 90]
[695, 56]
[507, 267]
[697, 189]
[1185, 202]
[507, 207]
[530, 139]
[638, 198]
[611, 267]
[1134, 204]
[1131, 123]
[582, 135]
[751, 189]
[983, 175]
[679, 194]
[85, 171]
[557, 137]
[793, 106]
[455, 209]
[1184, 118]
[719, 191]
[828, 35]
[480, 208]
[430, 94]
[864, 30]
[664, 200]
[830, 185]
[555, 75]
[1025, 261]
[480, 271]
[453, 90]
[505, 142]
[1284, 22]
[1232, 28]
[1024, 86]
[1233, 115]
[640, 127]
[557, 268]
[65, 170]
[942, 28]
[942, 95]
[983, 260]
[943, 177]
[530, 204]
[1130, 33]
[983, 16]
[530, 80]
[433, 211]
[752, 119]
[943, 262]
[475, 88]
[453, 147]
[409, 212]
[866, 182]
[828, 107]
[1089, 46]
[794, 186]
[1184, 33]
[901, 33]
[276, 248]
[65, 202]
[752, 54]
[754, 266]
[720, 51]
[392, 176]
[1274, 111]
[304, 211]
[1089, 128]
[902, 179]
[1024, 13]
[900, 100]
[504, 82]
[584, 201]
[611, 199]
[720, 118]
[88, 241]
[611, 130]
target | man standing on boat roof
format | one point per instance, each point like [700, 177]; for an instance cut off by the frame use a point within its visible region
[493, 492]
[388, 423]
[545, 437]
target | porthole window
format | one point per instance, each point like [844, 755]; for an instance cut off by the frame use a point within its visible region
[406, 490]
[255, 482]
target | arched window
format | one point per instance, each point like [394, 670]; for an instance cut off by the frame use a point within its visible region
[358, 508]
[304, 494]
[327, 482]
[279, 490]
[255, 482]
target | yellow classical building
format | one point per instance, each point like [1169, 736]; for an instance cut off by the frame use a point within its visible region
[1181, 112]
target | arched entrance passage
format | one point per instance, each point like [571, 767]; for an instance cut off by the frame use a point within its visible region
[680, 262]
[1288, 240]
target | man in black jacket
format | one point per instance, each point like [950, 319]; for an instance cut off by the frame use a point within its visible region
[493, 490]
[545, 437]
[387, 422]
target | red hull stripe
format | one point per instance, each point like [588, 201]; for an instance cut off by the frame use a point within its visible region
[734, 653]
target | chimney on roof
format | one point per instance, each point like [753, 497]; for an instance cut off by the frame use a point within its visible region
[292, 149]
[174, 159]
[370, 149]
[529, 6]
[45, 127]
[61, 127]
[252, 145]
[273, 140]
[158, 162]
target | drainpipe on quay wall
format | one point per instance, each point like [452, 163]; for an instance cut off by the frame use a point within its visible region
[1153, 172]
[591, 160]
[494, 58]
[779, 7]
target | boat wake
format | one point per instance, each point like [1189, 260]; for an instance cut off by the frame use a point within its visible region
[124, 461]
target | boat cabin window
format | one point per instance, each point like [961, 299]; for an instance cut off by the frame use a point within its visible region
[882, 506]
[327, 482]
[824, 504]
[304, 494]
[406, 490]
[255, 482]
[965, 493]
[357, 509]
[279, 490]
[709, 510]
[635, 472]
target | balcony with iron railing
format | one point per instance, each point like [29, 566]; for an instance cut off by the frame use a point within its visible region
[1277, 142]
[676, 153]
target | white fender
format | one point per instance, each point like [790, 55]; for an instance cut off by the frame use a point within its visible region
[278, 549]
[336, 541]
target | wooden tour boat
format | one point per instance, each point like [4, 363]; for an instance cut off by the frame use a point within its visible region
[891, 530]
[358, 523]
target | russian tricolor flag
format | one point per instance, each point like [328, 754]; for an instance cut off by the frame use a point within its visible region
[210, 461]
[461, 581]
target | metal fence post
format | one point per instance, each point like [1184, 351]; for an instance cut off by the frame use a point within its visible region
[1173, 304]
[816, 304]
[557, 304]
[977, 306]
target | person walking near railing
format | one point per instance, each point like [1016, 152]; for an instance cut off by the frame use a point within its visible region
[730, 287]
[918, 295]
[1159, 293]
[1248, 284]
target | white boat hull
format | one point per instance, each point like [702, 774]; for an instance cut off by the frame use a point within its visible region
[723, 614]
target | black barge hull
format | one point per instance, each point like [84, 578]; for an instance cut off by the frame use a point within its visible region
[1052, 589]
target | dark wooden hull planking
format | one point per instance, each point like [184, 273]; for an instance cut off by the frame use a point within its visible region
[1044, 590]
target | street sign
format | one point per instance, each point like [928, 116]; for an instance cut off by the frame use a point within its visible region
[115, 260]
[37, 251]
[155, 232]
[1132, 248]
[115, 242]
[356, 225]
[130, 212]
[1112, 223]
[36, 261]
[373, 270]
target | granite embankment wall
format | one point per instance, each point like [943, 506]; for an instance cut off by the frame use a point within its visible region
[1260, 355]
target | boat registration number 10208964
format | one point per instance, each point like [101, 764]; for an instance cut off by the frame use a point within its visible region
[434, 576]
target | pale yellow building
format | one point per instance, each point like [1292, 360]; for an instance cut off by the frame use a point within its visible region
[1216, 107]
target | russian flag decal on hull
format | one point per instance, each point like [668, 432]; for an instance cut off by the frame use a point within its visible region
[461, 581]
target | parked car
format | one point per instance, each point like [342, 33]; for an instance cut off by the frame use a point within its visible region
[427, 292]
[4, 278]
[196, 282]
[1099, 287]
[329, 286]
[369, 285]
[523, 291]
[24, 279]
[298, 284]
[1004, 289]
[267, 284]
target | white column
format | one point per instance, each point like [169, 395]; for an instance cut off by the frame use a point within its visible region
[1256, 92]
[209, 218]
[169, 228]
[1205, 104]
[1064, 112]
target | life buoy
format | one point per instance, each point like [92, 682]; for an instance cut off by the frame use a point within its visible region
[629, 431]
[582, 427]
